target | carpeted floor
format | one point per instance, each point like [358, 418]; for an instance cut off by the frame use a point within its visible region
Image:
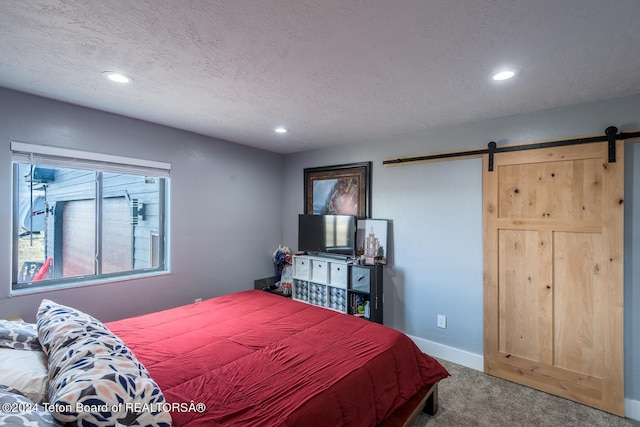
[472, 398]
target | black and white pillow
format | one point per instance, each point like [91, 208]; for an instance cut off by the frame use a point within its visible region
[19, 335]
[91, 367]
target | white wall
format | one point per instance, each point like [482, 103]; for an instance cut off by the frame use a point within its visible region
[225, 209]
[436, 209]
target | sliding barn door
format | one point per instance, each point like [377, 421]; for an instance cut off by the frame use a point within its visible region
[553, 280]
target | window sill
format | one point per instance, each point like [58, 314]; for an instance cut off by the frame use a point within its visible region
[82, 284]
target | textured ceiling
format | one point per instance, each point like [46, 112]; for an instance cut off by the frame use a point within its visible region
[332, 71]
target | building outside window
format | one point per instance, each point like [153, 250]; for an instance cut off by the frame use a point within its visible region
[84, 217]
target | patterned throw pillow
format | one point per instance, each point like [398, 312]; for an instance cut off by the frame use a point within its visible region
[18, 410]
[18, 335]
[94, 378]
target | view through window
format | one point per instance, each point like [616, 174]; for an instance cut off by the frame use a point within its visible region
[78, 224]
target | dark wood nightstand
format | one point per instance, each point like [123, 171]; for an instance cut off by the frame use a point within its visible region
[277, 292]
[263, 284]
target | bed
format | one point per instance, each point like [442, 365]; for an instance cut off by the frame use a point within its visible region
[261, 359]
[249, 358]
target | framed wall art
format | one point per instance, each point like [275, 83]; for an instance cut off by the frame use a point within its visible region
[338, 190]
[371, 240]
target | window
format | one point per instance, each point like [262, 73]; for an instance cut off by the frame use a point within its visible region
[79, 217]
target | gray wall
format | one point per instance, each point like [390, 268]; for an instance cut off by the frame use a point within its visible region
[436, 209]
[231, 205]
[632, 271]
[225, 213]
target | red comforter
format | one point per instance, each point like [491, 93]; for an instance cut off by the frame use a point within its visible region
[256, 359]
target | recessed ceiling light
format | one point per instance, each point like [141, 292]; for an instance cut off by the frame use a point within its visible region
[505, 74]
[281, 130]
[116, 77]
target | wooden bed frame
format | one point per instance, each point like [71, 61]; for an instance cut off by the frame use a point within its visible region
[425, 400]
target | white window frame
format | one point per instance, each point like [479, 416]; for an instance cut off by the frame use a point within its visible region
[44, 155]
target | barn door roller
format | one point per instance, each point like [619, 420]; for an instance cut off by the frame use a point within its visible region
[611, 134]
[492, 151]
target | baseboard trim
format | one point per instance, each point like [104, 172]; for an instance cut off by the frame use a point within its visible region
[476, 361]
[632, 409]
[452, 354]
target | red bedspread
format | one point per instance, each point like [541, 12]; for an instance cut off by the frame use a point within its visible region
[256, 359]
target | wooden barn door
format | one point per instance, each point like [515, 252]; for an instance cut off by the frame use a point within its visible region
[553, 280]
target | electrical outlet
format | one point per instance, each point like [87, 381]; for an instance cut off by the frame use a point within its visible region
[442, 321]
[198, 300]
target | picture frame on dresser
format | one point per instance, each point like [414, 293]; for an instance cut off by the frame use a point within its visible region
[338, 190]
[371, 240]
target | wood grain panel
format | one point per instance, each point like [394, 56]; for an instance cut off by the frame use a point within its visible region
[525, 303]
[553, 271]
[553, 154]
[582, 226]
[613, 257]
[563, 190]
[570, 385]
[579, 301]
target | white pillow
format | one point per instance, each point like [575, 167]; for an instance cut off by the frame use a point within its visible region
[25, 371]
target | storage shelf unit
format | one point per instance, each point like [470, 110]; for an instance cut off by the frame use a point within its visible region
[365, 291]
[339, 285]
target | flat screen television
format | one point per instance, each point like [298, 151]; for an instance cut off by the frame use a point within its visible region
[327, 234]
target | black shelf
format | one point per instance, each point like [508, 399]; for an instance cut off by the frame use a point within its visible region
[366, 282]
